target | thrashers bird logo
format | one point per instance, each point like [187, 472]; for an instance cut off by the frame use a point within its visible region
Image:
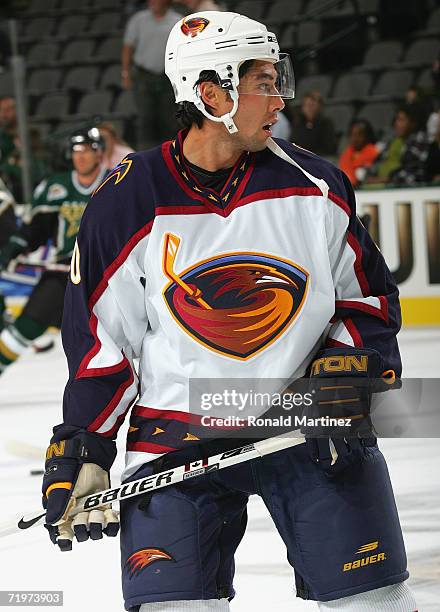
[192, 27]
[235, 304]
[140, 559]
[118, 173]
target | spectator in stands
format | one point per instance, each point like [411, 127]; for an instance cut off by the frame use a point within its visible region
[433, 122]
[360, 153]
[433, 160]
[432, 126]
[8, 127]
[282, 128]
[416, 97]
[143, 65]
[194, 6]
[404, 157]
[311, 129]
[5, 48]
[115, 148]
[11, 168]
[436, 77]
[10, 150]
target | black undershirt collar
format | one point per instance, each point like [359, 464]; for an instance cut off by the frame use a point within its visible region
[210, 180]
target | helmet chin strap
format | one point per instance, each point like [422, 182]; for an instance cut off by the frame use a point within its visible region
[226, 119]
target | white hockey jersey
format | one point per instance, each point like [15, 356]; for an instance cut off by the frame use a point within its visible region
[246, 283]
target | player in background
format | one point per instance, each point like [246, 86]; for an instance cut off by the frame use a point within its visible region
[226, 254]
[57, 207]
[8, 225]
[115, 147]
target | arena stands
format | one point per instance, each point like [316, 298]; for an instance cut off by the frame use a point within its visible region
[342, 49]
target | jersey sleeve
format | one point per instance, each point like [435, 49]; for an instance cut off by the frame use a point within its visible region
[43, 221]
[367, 310]
[105, 317]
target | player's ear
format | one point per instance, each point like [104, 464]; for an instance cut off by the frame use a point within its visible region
[215, 98]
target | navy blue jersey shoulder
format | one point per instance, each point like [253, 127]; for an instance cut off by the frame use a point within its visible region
[121, 207]
[126, 189]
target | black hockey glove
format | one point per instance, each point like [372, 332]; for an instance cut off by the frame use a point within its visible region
[338, 425]
[15, 246]
[77, 464]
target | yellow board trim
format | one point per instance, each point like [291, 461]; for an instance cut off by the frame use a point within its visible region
[58, 485]
[420, 310]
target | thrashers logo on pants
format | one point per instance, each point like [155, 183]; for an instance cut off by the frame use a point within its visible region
[143, 557]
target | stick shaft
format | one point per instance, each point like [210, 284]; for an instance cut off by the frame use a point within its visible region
[42, 263]
[18, 278]
[164, 479]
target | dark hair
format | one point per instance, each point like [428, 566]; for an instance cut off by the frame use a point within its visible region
[412, 112]
[368, 129]
[314, 95]
[187, 113]
[417, 89]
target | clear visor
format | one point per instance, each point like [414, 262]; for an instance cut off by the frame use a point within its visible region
[269, 79]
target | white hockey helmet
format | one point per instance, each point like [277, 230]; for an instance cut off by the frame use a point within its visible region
[222, 41]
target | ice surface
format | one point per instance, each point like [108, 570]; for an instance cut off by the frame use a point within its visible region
[30, 400]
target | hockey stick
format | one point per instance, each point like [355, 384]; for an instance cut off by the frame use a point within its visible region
[39, 347]
[14, 277]
[24, 450]
[51, 266]
[164, 479]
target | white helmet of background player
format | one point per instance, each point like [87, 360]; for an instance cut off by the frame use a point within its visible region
[222, 41]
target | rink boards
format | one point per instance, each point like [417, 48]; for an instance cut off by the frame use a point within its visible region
[405, 224]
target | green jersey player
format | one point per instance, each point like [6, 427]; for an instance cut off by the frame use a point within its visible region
[57, 207]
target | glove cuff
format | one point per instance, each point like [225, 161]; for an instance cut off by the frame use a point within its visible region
[86, 447]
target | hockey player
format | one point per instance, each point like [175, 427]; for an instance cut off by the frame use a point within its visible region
[57, 207]
[225, 254]
[8, 226]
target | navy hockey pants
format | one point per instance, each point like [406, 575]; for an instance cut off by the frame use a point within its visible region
[342, 536]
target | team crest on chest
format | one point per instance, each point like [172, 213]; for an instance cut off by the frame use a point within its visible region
[235, 304]
[56, 192]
